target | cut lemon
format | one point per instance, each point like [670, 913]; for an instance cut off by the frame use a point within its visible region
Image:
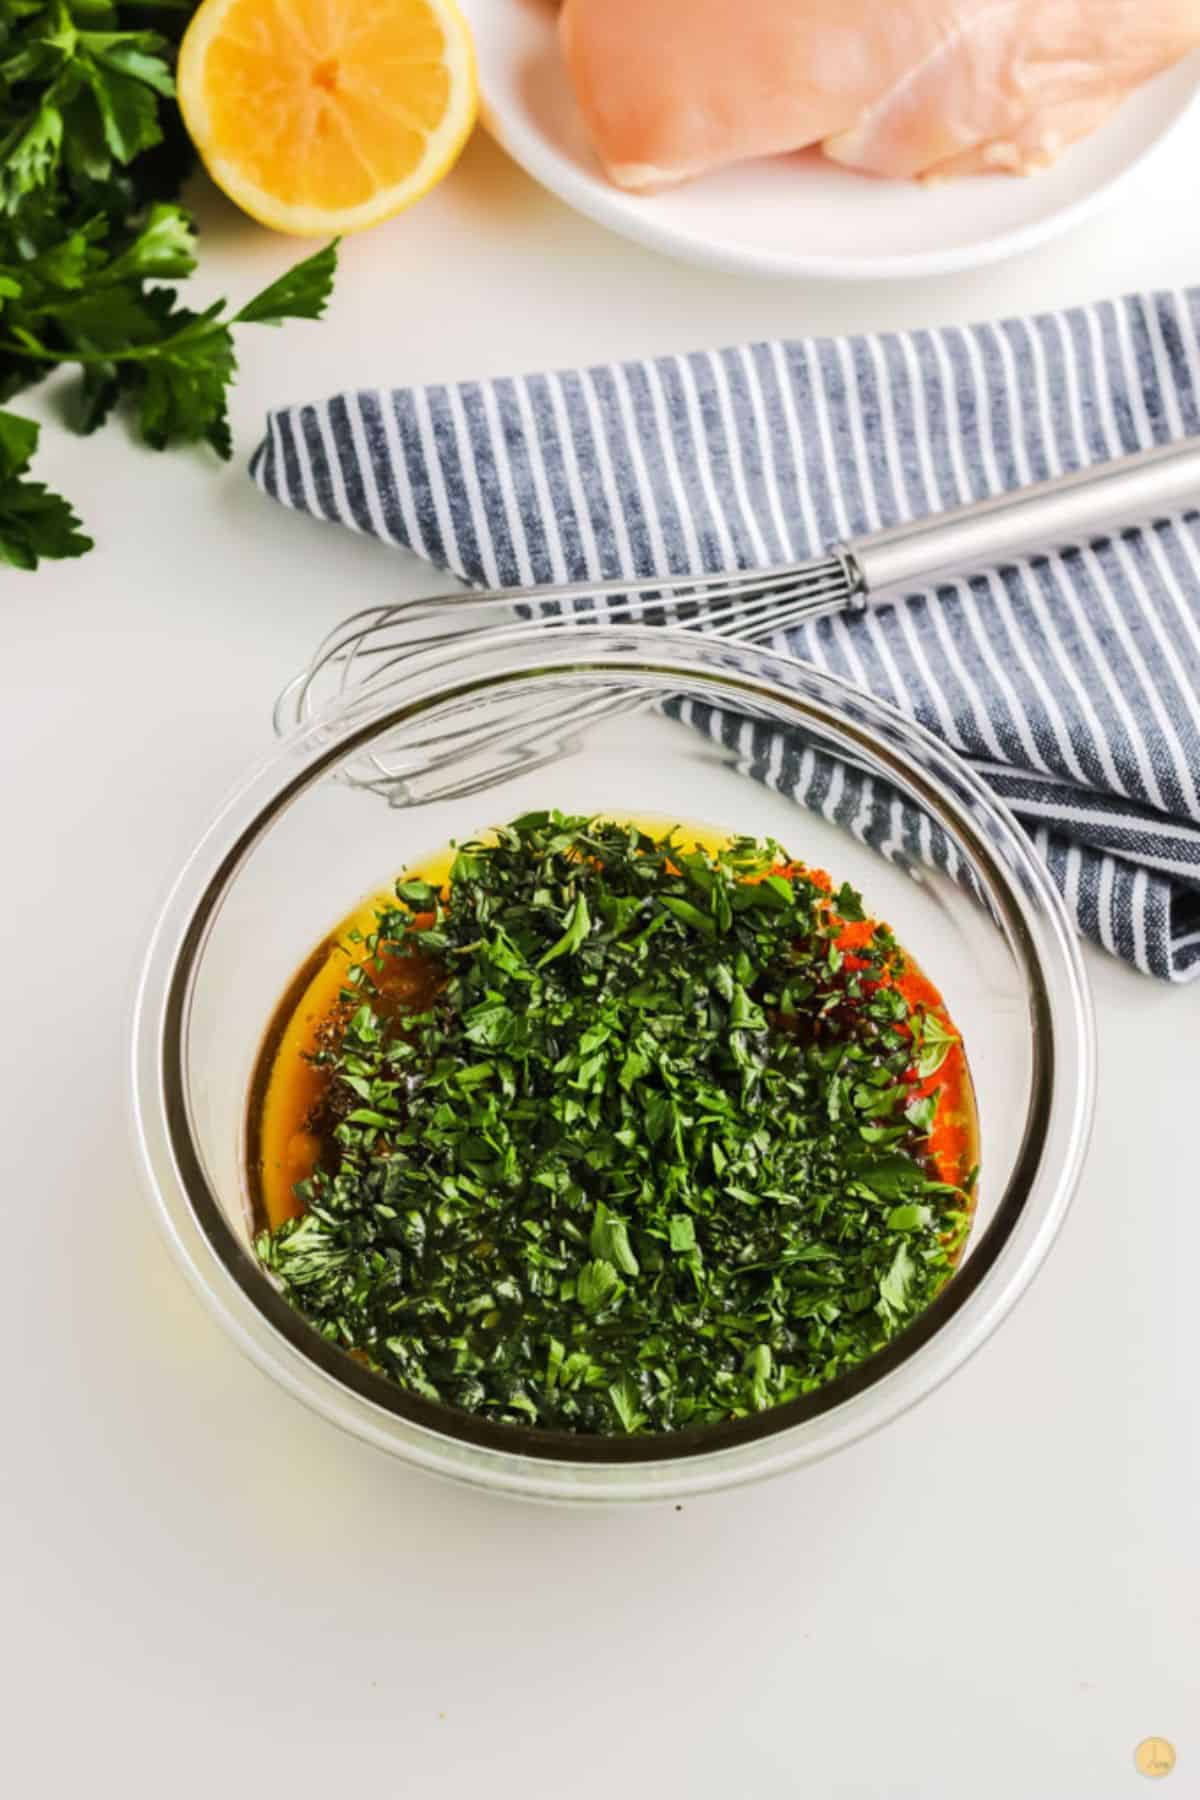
[325, 116]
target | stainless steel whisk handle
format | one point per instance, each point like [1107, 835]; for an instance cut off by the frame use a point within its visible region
[1065, 512]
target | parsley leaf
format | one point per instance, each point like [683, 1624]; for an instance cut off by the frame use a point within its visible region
[894, 1286]
[301, 293]
[34, 522]
[624, 1396]
[598, 1285]
[128, 109]
[610, 1239]
[682, 1228]
[936, 1044]
[578, 925]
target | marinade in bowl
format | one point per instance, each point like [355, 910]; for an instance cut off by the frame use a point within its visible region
[612, 1126]
[767, 753]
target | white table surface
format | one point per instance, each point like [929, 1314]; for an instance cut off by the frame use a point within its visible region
[208, 1591]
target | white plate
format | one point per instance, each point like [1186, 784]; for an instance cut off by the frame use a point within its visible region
[800, 215]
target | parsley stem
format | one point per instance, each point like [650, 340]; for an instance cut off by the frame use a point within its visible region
[132, 353]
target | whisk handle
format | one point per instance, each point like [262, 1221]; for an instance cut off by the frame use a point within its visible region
[1067, 511]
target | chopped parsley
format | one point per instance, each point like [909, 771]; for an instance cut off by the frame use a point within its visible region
[92, 153]
[653, 1156]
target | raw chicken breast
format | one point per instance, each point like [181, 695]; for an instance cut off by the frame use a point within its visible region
[670, 88]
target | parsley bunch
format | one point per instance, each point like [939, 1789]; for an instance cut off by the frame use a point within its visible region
[654, 1156]
[91, 151]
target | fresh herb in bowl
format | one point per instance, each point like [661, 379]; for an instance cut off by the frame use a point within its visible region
[91, 154]
[617, 1132]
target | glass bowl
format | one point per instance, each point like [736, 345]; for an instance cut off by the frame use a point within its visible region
[639, 722]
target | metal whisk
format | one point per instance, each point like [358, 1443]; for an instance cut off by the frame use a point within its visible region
[1069, 510]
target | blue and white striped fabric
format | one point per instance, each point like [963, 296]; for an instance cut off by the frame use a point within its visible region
[1072, 683]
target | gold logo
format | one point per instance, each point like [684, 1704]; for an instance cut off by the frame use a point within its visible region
[1155, 1756]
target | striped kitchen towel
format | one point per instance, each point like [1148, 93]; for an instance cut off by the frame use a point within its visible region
[1070, 682]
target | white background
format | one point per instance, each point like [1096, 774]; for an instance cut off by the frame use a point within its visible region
[204, 1590]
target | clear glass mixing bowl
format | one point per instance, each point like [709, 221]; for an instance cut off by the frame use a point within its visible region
[628, 722]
